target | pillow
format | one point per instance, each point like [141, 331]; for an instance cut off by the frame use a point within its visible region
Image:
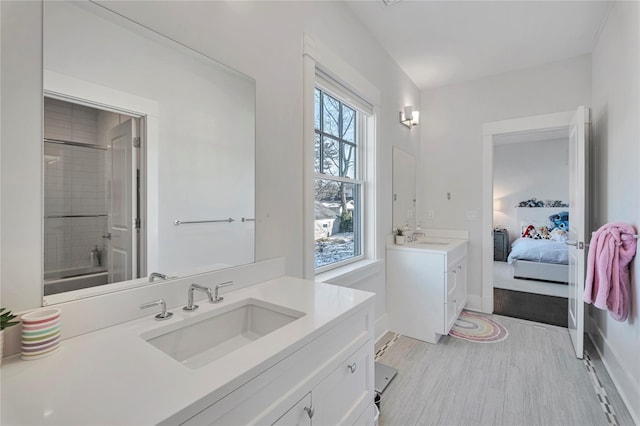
[559, 235]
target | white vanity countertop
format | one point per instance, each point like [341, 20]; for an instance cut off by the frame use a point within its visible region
[112, 376]
[431, 244]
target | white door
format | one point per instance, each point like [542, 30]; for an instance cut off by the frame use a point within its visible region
[578, 222]
[122, 196]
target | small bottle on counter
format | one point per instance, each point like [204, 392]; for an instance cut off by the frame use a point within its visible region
[94, 257]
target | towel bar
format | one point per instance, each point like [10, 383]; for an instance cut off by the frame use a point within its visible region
[180, 222]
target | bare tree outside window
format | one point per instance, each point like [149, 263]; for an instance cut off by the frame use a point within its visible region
[337, 188]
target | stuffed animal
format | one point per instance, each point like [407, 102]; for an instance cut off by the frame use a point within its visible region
[531, 203]
[530, 232]
[544, 233]
[560, 221]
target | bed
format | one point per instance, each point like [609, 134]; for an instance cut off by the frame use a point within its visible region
[540, 253]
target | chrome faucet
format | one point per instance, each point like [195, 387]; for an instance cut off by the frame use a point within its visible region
[155, 275]
[218, 299]
[190, 306]
[418, 232]
[162, 315]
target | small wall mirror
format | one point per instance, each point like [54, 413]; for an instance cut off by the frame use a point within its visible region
[404, 189]
[148, 156]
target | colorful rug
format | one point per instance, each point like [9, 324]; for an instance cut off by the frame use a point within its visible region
[478, 328]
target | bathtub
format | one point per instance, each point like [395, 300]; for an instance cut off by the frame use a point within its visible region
[74, 279]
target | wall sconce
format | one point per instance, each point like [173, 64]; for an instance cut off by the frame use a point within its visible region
[409, 117]
[497, 204]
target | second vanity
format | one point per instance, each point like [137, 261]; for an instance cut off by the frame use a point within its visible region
[427, 284]
[312, 363]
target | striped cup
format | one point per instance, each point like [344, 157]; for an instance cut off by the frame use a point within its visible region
[40, 333]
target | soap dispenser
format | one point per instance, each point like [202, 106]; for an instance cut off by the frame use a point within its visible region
[94, 256]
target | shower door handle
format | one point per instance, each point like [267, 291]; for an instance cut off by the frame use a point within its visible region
[107, 236]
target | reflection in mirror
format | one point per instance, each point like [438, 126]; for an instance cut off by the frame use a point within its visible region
[92, 179]
[404, 189]
[148, 156]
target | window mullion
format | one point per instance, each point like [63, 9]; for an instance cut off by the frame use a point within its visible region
[321, 153]
[340, 142]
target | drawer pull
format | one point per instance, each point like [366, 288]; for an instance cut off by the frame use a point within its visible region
[310, 411]
[352, 367]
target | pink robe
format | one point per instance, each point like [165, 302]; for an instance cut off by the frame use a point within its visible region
[607, 284]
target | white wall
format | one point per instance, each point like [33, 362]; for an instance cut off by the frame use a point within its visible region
[616, 192]
[263, 40]
[451, 133]
[522, 171]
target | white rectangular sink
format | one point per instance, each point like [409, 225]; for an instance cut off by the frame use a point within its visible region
[429, 243]
[203, 339]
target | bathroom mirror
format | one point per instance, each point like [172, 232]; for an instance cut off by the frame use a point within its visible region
[404, 189]
[148, 156]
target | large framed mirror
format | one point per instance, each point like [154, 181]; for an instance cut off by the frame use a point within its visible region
[148, 156]
[404, 189]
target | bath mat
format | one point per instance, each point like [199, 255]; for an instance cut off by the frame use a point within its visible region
[478, 328]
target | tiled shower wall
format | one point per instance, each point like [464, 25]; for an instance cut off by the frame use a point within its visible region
[75, 184]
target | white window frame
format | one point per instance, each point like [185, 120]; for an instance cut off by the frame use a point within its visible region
[338, 78]
[361, 167]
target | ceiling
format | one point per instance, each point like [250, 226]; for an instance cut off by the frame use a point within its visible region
[438, 43]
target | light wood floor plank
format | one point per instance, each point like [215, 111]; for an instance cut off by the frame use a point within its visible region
[530, 378]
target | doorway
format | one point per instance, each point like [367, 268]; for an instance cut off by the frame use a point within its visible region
[574, 124]
[92, 209]
[531, 196]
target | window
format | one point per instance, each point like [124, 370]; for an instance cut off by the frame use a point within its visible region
[338, 203]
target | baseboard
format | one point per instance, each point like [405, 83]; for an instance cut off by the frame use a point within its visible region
[628, 389]
[381, 326]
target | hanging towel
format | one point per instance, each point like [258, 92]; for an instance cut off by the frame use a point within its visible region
[607, 284]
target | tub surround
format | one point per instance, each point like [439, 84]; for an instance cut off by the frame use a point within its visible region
[113, 376]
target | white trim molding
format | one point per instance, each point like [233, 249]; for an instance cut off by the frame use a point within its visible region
[626, 385]
[317, 56]
[535, 123]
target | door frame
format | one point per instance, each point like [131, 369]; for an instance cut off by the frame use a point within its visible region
[536, 123]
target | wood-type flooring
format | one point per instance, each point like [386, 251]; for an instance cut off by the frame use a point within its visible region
[530, 378]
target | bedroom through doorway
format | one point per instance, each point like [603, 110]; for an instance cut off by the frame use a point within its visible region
[530, 223]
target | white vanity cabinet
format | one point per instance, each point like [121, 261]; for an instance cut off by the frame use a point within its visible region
[317, 369]
[329, 381]
[456, 291]
[426, 287]
[299, 414]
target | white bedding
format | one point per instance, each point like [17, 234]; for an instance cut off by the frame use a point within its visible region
[546, 251]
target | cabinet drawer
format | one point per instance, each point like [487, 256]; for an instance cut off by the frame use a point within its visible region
[269, 395]
[297, 415]
[347, 391]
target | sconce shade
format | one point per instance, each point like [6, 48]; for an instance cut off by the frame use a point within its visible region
[409, 117]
